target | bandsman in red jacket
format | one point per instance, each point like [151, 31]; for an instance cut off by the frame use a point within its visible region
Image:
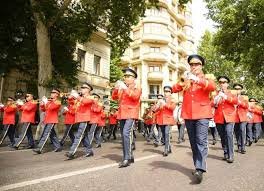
[128, 94]
[28, 113]
[82, 117]
[250, 123]
[99, 129]
[257, 113]
[225, 117]
[196, 110]
[113, 123]
[165, 118]
[51, 108]
[69, 119]
[9, 120]
[241, 119]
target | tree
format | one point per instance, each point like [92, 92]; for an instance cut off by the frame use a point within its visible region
[219, 64]
[240, 36]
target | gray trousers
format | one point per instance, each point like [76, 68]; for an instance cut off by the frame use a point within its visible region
[49, 132]
[126, 128]
[9, 130]
[249, 132]
[98, 133]
[226, 133]
[165, 130]
[91, 132]
[25, 131]
[198, 135]
[240, 133]
[257, 131]
[79, 136]
[68, 132]
[181, 131]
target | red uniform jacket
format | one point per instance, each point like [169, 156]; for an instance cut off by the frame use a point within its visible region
[83, 109]
[196, 100]
[250, 110]
[242, 110]
[9, 114]
[129, 102]
[165, 114]
[96, 111]
[113, 119]
[101, 122]
[148, 117]
[257, 115]
[28, 112]
[51, 110]
[69, 116]
[226, 110]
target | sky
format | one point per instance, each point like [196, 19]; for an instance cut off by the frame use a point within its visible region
[200, 21]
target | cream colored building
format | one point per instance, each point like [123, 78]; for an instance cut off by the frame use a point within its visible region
[161, 42]
[94, 59]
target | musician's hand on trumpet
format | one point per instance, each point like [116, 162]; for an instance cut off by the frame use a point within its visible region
[1, 105]
[120, 85]
[19, 102]
[66, 108]
[190, 76]
[74, 94]
[223, 95]
[44, 100]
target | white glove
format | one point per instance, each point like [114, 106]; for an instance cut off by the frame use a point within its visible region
[120, 85]
[66, 108]
[74, 94]
[223, 95]
[186, 74]
[161, 102]
[1, 105]
[249, 115]
[193, 77]
[19, 102]
[217, 99]
[44, 99]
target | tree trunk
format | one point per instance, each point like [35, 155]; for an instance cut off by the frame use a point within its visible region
[44, 53]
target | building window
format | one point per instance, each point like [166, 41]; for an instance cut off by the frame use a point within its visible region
[155, 28]
[170, 74]
[154, 89]
[136, 34]
[135, 53]
[96, 65]
[172, 54]
[81, 58]
[154, 49]
[154, 69]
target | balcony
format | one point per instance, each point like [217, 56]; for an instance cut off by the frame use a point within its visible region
[181, 35]
[156, 38]
[182, 66]
[153, 96]
[155, 76]
[180, 18]
[156, 19]
[155, 57]
[182, 50]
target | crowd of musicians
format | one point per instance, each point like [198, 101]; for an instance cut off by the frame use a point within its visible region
[225, 111]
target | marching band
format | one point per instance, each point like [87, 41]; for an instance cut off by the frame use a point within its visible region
[230, 110]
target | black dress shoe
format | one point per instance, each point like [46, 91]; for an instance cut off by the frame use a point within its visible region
[156, 144]
[169, 151]
[131, 160]
[250, 143]
[214, 142]
[198, 176]
[90, 154]
[230, 160]
[243, 151]
[124, 163]
[98, 146]
[133, 148]
[69, 155]
[225, 157]
[58, 150]
[15, 147]
[165, 153]
[37, 151]
[256, 140]
[30, 147]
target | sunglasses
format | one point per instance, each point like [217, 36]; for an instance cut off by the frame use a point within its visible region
[54, 92]
[223, 82]
[238, 88]
[195, 64]
[167, 91]
[83, 87]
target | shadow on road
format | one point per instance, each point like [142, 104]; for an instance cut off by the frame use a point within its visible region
[182, 146]
[174, 166]
[113, 157]
[153, 151]
[215, 148]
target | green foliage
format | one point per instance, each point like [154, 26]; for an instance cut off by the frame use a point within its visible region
[240, 36]
[219, 64]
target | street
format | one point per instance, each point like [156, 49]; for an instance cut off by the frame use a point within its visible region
[24, 170]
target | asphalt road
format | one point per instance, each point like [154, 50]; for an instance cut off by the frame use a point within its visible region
[24, 170]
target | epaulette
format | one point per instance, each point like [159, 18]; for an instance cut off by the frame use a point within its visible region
[57, 102]
[35, 101]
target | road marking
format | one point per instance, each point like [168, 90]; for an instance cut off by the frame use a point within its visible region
[65, 175]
